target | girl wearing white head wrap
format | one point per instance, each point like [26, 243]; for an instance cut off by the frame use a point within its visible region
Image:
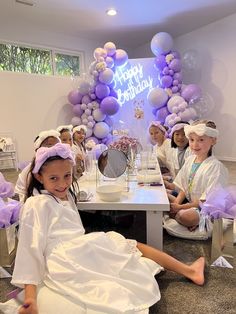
[158, 135]
[78, 147]
[200, 173]
[177, 154]
[46, 138]
[65, 133]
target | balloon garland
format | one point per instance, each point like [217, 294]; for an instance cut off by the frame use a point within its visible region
[172, 100]
[94, 103]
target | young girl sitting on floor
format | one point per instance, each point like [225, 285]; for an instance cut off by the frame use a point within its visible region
[199, 174]
[100, 271]
[65, 133]
[46, 138]
[177, 154]
[158, 134]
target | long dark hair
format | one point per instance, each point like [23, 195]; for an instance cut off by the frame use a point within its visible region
[33, 183]
[173, 144]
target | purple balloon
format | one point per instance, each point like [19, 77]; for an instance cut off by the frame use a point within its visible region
[165, 71]
[86, 99]
[154, 111]
[77, 110]
[175, 89]
[175, 65]
[166, 81]
[162, 113]
[102, 90]
[109, 121]
[160, 62]
[113, 93]
[120, 57]
[176, 54]
[106, 76]
[109, 105]
[178, 76]
[191, 92]
[75, 97]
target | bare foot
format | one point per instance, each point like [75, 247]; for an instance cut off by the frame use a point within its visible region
[197, 275]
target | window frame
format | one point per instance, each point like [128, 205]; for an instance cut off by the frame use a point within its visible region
[53, 51]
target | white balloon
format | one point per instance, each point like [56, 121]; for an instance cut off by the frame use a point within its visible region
[98, 115]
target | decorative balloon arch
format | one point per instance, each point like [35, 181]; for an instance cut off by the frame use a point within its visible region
[95, 100]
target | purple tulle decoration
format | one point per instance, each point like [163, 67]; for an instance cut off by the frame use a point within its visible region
[6, 188]
[220, 203]
[9, 212]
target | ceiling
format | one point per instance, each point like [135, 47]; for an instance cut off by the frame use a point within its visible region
[135, 24]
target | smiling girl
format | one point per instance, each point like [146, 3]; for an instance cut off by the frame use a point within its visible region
[199, 174]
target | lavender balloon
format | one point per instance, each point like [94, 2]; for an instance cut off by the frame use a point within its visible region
[191, 92]
[120, 57]
[106, 76]
[166, 81]
[75, 97]
[175, 65]
[77, 110]
[160, 62]
[101, 130]
[109, 105]
[102, 90]
[161, 114]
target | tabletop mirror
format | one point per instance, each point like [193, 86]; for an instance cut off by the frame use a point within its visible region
[112, 164]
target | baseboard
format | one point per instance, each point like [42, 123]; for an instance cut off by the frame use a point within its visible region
[224, 158]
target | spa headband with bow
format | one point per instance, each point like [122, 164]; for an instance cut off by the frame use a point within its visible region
[159, 126]
[200, 129]
[45, 134]
[177, 127]
[59, 149]
[79, 128]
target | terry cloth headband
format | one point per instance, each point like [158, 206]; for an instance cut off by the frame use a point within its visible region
[59, 149]
[45, 134]
[79, 128]
[177, 127]
[65, 127]
[159, 126]
[200, 129]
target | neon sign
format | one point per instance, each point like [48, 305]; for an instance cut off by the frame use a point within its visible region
[131, 82]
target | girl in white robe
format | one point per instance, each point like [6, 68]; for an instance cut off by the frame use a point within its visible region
[177, 155]
[199, 174]
[158, 135]
[79, 149]
[46, 138]
[100, 271]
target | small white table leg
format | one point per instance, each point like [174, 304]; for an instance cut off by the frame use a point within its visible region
[154, 229]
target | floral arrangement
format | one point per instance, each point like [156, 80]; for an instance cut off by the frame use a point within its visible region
[127, 144]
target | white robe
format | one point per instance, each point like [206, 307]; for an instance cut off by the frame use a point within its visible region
[21, 183]
[102, 270]
[210, 173]
[162, 151]
[172, 160]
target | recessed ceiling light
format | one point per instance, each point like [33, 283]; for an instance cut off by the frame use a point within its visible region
[111, 12]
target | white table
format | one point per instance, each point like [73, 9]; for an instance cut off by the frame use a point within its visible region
[153, 200]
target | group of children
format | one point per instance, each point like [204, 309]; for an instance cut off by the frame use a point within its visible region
[104, 271]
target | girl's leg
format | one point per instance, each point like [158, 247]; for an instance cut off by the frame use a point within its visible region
[194, 272]
[188, 217]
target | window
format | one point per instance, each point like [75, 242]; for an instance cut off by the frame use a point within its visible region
[39, 61]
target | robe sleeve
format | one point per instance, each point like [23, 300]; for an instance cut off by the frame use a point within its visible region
[30, 260]
[217, 175]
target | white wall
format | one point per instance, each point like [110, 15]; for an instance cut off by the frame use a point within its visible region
[32, 103]
[215, 49]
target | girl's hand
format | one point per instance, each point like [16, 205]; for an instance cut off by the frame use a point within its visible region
[29, 307]
[174, 208]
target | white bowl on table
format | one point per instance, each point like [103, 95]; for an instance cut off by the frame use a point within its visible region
[109, 193]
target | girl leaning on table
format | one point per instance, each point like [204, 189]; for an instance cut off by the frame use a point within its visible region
[101, 271]
[200, 173]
